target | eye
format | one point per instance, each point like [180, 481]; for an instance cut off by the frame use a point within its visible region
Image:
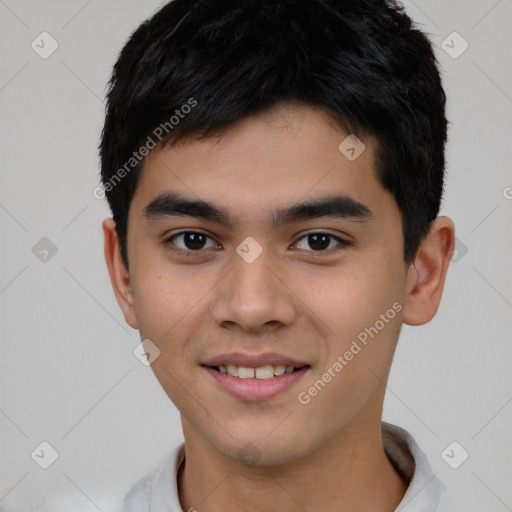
[320, 242]
[190, 241]
[186, 243]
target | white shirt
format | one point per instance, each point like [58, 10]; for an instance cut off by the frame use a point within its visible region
[158, 492]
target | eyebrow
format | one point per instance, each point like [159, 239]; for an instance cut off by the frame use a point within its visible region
[337, 206]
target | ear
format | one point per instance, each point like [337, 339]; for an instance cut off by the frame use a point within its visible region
[426, 275]
[119, 275]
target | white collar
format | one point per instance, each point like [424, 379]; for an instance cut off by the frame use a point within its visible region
[158, 492]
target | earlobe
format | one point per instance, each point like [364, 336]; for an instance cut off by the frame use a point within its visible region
[427, 274]
[118, 272]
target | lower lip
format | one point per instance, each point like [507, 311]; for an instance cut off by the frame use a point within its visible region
[256, 389]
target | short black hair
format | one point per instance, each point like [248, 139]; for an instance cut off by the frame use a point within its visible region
[196, 67]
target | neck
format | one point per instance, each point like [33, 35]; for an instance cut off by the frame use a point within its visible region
[348, 472]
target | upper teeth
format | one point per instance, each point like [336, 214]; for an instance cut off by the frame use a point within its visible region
[262, 372]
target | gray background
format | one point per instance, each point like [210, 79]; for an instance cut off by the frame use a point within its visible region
[68, 375]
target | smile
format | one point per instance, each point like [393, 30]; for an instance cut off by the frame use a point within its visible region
[261, 372]
[255, 384]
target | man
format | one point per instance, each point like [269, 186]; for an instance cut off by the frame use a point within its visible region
[275, 170]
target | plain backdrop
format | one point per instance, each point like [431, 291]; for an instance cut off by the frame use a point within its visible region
[68, 375]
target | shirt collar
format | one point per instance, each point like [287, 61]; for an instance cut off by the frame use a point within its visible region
[425, 489]
[423, 494]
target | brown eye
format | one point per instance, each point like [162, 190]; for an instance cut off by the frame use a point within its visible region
[320, 242]
[191, 241]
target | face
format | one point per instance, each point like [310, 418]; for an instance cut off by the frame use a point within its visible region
[260, 280]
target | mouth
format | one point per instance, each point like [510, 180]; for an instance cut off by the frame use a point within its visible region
[252, 379]
[261, 372]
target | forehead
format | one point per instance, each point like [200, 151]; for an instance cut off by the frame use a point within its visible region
[268, 161]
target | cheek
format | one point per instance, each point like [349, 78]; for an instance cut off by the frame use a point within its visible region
[361, 306]
[163, 293]
[167, 309]
[350, 298]
[162, 303]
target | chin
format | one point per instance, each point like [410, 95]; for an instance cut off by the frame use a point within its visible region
[254, 449]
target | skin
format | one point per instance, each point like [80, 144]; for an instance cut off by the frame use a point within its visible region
[306, 304]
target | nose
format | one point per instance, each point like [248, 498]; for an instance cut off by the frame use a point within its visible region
[254, 297]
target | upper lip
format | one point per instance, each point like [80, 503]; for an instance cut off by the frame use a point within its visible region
[253, 361]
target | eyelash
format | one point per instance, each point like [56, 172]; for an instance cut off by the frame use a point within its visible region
[315, 254]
